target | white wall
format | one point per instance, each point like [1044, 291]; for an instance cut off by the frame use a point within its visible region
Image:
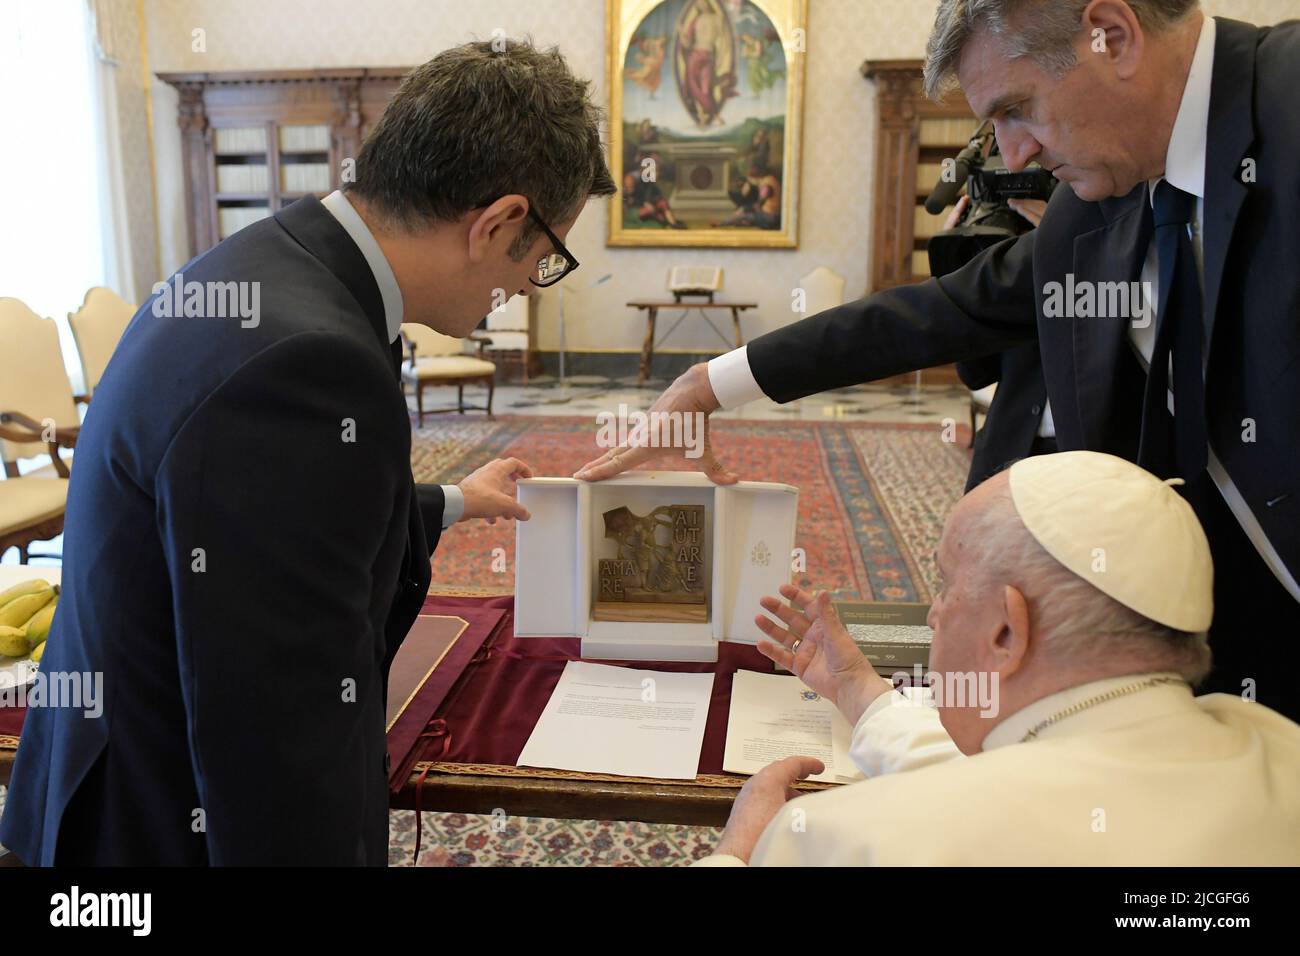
[838, 148]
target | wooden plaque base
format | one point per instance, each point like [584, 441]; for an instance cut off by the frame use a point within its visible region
[650, 613]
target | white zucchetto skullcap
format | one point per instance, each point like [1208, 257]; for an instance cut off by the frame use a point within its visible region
[1121, 529]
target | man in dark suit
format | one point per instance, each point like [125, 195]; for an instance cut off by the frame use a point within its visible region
[245, 548]
[1178, 138]
[1013, 427]
[1019, 419]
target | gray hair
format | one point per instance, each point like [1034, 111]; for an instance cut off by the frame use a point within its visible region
[1041, 29]
[1077, 622]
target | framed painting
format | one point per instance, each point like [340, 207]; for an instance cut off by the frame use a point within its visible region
[706, 104]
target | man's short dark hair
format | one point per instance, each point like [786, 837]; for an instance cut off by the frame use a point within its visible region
[478, 122]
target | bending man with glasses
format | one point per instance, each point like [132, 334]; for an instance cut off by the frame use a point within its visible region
[245, 547]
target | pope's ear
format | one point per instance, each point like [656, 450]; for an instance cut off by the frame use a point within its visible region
[1013, 641]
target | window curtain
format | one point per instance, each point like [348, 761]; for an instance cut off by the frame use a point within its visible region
[63, 227]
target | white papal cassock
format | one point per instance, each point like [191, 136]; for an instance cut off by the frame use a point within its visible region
[1154, 777]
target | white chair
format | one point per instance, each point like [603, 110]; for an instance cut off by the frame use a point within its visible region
[823, 289]
[35, 394]
[511, 332]
[437, 359]
[96, 327]
[981, 400]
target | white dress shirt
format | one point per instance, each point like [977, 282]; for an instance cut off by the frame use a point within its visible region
[1185, 168]
[391, 293]
[734, 384]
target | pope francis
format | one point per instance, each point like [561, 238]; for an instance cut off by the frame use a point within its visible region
[1060, 726]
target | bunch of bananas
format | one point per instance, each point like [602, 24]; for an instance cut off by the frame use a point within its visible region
[26, 611]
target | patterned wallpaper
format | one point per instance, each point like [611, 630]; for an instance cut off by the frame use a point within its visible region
[839, 114]
[122, 29]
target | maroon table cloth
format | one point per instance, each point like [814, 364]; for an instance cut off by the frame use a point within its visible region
[488, 715]
[486, 695]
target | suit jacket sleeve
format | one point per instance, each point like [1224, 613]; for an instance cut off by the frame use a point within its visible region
[431, 501]
[982, 308]
[279, 594]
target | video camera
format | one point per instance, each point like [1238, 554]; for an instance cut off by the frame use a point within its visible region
[990, 184]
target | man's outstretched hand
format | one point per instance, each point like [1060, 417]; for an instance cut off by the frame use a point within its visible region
[490, 491]
[690, 394]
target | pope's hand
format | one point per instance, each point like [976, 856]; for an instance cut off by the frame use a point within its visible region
[825, 657]
[490, 491]
[690, 394]
[760, 800]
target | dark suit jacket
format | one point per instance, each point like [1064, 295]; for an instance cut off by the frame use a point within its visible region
[244, 551]
[1094, 380]
[1015, 413]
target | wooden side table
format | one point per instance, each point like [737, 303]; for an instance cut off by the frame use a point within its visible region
[652, 308]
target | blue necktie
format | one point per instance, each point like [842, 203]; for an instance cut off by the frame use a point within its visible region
[1180, 327]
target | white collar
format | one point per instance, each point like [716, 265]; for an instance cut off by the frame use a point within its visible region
[389, 291]
[1012, 729]
[1185, 158]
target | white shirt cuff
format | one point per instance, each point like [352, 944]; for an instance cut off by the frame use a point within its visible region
[731, 379]
[453, 507]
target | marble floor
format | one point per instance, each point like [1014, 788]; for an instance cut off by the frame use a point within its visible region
[590, 395]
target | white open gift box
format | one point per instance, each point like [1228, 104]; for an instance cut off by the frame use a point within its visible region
[749, 525]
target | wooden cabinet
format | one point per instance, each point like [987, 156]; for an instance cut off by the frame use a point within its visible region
[253, 142]
[914, 135]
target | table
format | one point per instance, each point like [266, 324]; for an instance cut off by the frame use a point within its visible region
[651, 308]
[491, 707]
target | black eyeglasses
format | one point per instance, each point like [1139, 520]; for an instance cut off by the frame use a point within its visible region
[554, 266]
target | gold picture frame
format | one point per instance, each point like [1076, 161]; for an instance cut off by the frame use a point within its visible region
[706, 121]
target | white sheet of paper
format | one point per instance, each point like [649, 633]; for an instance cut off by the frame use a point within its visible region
[774, 716]
[635, 723]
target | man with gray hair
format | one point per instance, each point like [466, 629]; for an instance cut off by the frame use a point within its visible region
[1178, 138]
[1060, 726]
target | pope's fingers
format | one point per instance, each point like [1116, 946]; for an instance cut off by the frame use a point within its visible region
[796, 596]
[821, 607]
[798, 767]
[775, 631]
[799, 623]
[776, 653]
